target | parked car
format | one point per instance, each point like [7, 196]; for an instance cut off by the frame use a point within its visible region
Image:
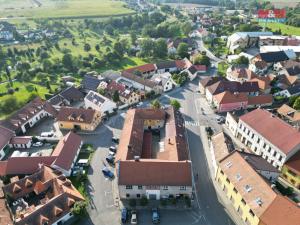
[37, 144]
[110, 159]
[220, 119]
[133, 217]
[124, 215]
[115, 139]
[113, 149]
[107, 173]
[47, 134]
[155, 216]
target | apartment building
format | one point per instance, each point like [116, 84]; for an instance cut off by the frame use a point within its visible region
[251, 196]
[268, 136]
[153, 156]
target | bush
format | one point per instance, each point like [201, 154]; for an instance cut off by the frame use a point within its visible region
[187, 201]
[173, 201]
[79, 208]
[132, 202]
[163, 202]
[143, 201]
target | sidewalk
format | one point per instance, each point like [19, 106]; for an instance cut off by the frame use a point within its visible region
[222, 197]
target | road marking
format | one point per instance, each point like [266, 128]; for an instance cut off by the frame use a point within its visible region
[197, 105]
[107, 192]
[110, 206]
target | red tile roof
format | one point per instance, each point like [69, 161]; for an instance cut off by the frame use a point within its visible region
[260, 99]
[281, 211]
[148, 172]
[294, 162]
[20, 140]
[66, 151]
[5, 136]
[286, 138]
[77, 115]
[202, 68]
[143, 68]
[228, 97]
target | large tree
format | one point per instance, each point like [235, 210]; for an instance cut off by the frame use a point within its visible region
[176, 104]
[202, 60]
[155, 104]
[183, 50]
[161, 48]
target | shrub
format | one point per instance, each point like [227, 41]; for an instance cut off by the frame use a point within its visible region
[132, 202]
[143, 201]
[163, 202]
[173, 201]
[187, 201]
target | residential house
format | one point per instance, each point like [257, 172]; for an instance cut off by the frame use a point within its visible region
[273, 57]
[251, 88]
[67, 151]
[260, 101]
[90, 83]
[240, 74]
[94, 100]
[28, 116]
[165, 80]
[292, 51]
[208, 81]
[194, 70]
[227, 101]
[232, 120]
[5, 137]
[289, 68]
[141, 83]
[78, 118]
[291, 91]
[284, 81]
[258, 66]
[157, 174]
[20, 142]
[242, 40]
[7, 31]
[251, 196]
[45, 197]
[256, 130]
[173, 44]
[126, 95]
[271, 40]
[63, 158]
[289, 114]
[264, 84]
[67, 97]
[291, 171]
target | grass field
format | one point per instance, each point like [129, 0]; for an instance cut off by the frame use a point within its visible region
[61, 8]
[285, 29]
[282, 3]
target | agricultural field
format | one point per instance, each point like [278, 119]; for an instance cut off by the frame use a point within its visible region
[61, 8]
[285, 29]
[283, 3]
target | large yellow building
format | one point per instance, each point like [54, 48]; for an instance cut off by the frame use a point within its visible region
[291, 171]
[78, 119]
[252, 197]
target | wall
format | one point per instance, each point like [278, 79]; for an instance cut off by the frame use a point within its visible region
[235, 197]
[64, 218]
[232, 106]
[291, 176]
[231, 123]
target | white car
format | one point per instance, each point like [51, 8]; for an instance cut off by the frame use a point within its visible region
[37, 144]
[133, 217]
[47, 134]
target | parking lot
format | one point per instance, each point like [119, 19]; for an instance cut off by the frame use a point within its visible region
[46, 125]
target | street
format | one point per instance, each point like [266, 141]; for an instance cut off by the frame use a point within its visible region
[198, 114]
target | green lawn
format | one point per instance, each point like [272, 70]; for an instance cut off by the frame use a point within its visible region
[62, 8]
[285, 29]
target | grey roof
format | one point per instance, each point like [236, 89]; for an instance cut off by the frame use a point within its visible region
[95, 98]
[71, 94]
[294, 89]
[166, 64]
[271, 57]
[192, 69]
[258, 163]
[90, 82]
[233, 86]
[111, 74]
[56, 100]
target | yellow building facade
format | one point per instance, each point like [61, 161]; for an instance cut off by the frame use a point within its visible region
[240, 205]
[291, 176]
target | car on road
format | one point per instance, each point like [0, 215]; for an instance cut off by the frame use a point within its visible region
[155, 216]
[124, 215]
[107, 173]
[220, 119]
[139, 104]
[47, 134]
[110, 159]
[113, 149]
[133, 217]
[115, 139]
[37, 144]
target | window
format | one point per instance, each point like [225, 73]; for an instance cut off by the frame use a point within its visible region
[138, 195]
[234, 189]
[127, 195]
[269, 150]
[292, 173]
[128, 187]
[258, 140]
[264, 145]
[252, 136]
[165, 188]
[227, 180]
[243, 201]
[280, 158]
[140, 187]
[182, 188]
[222, 172]
[251, 213]
[274, 154]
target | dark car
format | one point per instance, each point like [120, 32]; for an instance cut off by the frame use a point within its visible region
[115, 140]
[110, 159]
[124, 215]
[155, 216]
[113, 149]
[107, 173]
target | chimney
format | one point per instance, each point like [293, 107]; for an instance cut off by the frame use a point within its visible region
[136, 158]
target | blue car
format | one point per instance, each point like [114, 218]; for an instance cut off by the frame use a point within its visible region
[107, 173]
[124, 215]
[110, 159]
[155, 216]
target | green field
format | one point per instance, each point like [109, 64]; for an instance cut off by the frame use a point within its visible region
[282, 3]
[285, 29]
[61, 8]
